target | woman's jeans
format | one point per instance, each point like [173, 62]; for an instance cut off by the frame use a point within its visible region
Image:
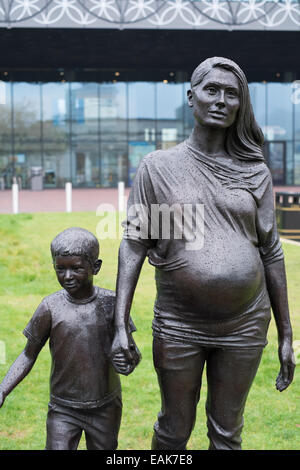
[179, 367]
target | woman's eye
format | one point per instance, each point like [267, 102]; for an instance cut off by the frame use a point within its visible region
[211, 90]
[231, 94]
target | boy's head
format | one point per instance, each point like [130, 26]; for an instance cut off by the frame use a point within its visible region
[75, 254]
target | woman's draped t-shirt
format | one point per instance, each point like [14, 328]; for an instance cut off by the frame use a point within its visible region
[209, 227]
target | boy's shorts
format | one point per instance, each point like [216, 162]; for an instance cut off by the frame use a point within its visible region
[100, 425]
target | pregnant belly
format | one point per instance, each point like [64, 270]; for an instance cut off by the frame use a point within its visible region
[216, 284]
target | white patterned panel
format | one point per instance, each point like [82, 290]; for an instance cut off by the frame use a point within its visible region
[185, 14]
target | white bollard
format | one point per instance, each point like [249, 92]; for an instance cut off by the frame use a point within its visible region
[15, 198]
[121, 196]
[68, 197]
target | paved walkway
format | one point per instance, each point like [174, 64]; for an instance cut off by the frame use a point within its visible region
[54, 200]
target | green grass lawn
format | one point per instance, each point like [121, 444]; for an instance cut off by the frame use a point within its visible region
[272, 419]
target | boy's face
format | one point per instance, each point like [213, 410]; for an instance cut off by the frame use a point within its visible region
[75, 275]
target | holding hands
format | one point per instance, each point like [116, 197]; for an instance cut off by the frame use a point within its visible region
[125, 354]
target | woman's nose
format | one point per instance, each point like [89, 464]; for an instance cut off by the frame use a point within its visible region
[221, 98]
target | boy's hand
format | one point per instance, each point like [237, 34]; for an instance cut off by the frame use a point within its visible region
[120, 363]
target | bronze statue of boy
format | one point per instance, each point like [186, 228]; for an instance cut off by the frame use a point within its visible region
[85, 389]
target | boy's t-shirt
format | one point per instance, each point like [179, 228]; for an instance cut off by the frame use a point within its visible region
[80, 334]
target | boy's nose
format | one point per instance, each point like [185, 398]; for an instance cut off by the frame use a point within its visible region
[68, 274]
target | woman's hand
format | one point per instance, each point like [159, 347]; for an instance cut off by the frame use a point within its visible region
[287, 363]
[125, 355]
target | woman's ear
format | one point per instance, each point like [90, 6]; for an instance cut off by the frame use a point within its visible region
[97, 266]
[190, 98]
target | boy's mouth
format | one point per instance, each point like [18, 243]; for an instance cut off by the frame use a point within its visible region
[69, 285]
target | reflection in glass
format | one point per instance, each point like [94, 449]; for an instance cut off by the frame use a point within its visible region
[85, 134]
[295, 94]
[141, 111]
[85, 164]
[95, 134]
[56, 166]
[289, 163]
[170, 106]
[258, 99]
[280, 112]
[6, 141]
[276, 161]
[297, 163]
[113, 163]
[113, 111]
[27, 130]
[56, 134]
[56, 115]
[136, 152]
[188, 117]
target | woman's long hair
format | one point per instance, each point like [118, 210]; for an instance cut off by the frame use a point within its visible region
[244, 138]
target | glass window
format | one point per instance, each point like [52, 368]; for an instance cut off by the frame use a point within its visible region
[297, 163]
[85, 111]
[85, 164]
[141, 112]
[6, 168]
[289, 164]
[56, 115]
[5, 113]
[27, 130]
[6, 144]
[57, 165]
[188, 112]
[85, 134]
[276, 157]
[279, 112]
[113, 166]
[27, 111]
[169, 105]
[136, 152]
[258, 100]
[113, 111]
[295, 95]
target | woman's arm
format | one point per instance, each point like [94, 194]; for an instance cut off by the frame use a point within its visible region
[19, 369]
[131, 259]
[277, 289]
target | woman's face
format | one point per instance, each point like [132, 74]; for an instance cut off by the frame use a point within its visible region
[216, 100]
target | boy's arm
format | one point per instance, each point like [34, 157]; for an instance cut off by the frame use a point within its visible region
[19, 369]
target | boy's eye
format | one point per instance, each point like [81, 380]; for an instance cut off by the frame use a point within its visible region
[78, 268]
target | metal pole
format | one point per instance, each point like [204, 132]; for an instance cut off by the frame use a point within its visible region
[68, 197]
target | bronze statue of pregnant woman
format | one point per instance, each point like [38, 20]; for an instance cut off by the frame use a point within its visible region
[214, 294]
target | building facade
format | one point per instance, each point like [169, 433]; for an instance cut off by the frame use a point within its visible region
[89, 87]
